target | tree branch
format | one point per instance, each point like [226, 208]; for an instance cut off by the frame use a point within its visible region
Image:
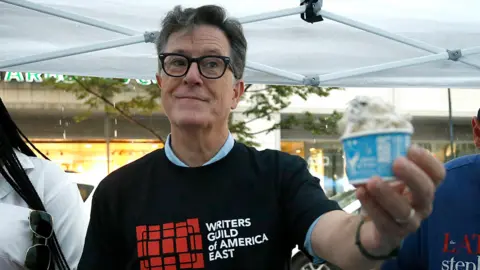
[124, 114]
[261, 131]
[259, 90]
[258, 117]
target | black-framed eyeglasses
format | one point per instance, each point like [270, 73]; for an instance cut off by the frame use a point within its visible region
[39, 256]
[210, 66]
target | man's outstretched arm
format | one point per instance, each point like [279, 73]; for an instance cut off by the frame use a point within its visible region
[392, 216]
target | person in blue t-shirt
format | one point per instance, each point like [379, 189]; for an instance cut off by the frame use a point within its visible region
[450, 238]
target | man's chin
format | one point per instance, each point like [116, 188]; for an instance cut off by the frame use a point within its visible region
[191, 122]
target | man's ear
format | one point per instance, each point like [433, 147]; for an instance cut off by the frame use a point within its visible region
[476, 131]
[159, 80]
[238, 90]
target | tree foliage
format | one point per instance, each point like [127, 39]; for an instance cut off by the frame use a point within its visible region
[265, 103]
[118, 97]
[102, 93]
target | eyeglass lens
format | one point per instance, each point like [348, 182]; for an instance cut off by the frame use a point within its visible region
[38, 257]
[41, 223]
[210, 67]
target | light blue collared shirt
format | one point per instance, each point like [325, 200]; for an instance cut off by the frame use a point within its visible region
[226, 148]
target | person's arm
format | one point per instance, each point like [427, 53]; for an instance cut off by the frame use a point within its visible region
[330, 234]
[304, 201]
[100, 251]
[333, 233]
[333, 237]
[62, 200]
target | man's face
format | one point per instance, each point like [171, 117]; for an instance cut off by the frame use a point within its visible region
[476, 131]
[193, 100]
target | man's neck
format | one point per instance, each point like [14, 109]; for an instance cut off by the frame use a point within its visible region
[195, 148]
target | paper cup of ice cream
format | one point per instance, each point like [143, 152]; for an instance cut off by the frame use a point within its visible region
[374, 136]
[372, 153]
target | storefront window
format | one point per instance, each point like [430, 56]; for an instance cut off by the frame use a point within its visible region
[294, 148]
[90, 157]
[122, 153]
[443, 150]
[325, 161]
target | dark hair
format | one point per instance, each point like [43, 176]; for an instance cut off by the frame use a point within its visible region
[11, 138]
[478, 115]
[185, 19]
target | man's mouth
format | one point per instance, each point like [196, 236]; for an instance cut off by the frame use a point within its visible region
[190, 97]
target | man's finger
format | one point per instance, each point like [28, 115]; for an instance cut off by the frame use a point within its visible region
[419, 183]
[383, 221]
[398, 186]
[429, 164]
[394, 204]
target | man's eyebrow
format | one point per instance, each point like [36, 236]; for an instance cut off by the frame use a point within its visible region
[181, 51]
[213, 51]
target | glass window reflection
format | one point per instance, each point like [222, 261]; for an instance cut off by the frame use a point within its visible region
[326, 161]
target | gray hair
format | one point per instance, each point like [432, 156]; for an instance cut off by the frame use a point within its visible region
[185, 19]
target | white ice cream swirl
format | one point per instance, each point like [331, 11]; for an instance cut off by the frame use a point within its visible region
[372, 114]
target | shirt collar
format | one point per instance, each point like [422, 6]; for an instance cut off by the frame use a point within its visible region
[226, 148]
[25, 162]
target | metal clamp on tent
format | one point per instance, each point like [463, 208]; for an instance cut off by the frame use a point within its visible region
[150, 37]
[454, 55]
[312, 81]
[311, 14]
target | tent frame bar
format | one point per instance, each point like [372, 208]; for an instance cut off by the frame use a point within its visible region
[72, 17]
[272, 15]
[391, 65]
[438, 52]
[380, 32]
[73, 51]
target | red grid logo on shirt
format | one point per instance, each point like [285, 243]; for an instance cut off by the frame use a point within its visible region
[170, 246]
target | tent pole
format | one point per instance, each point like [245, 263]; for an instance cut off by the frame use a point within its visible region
[450, 122]
[470, 51]
[272, 15]
[275, 71]
[72, 51]
[382, 67]
[392, 65]
[71, 17]
[380, 32]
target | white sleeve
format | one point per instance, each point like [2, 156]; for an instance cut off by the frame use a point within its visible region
[62, 200]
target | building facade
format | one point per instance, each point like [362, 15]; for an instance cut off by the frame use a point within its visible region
[101, 143]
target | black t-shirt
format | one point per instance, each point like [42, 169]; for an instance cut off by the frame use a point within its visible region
[245, 211]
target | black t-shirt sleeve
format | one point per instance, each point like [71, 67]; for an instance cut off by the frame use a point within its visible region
[100, 250]
[302, 198]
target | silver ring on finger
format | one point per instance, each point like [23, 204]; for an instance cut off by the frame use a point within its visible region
[406, 220]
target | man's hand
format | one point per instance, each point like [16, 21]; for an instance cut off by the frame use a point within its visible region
[392, 215]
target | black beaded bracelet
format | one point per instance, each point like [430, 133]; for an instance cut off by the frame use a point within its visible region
[364, 251]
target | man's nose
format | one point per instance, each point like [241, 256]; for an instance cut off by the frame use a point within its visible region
[193, 75]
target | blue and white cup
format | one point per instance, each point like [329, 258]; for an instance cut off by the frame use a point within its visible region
[371, 154]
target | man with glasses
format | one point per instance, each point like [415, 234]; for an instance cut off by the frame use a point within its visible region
[209, 202]
[450, 238]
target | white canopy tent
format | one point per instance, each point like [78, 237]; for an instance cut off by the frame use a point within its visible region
[374, 43]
